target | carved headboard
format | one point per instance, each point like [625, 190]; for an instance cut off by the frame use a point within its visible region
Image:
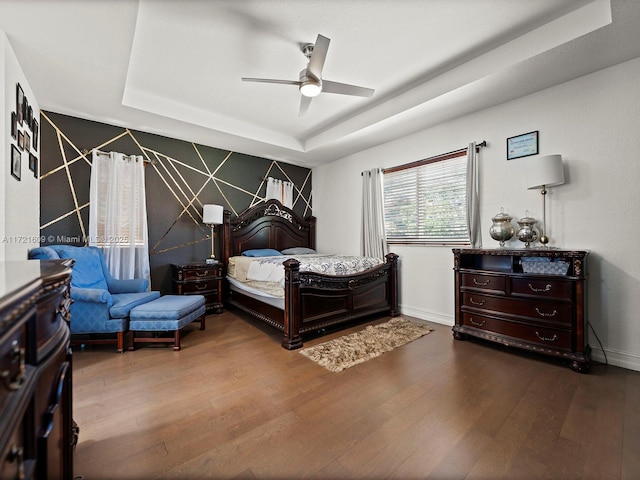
[267, 225]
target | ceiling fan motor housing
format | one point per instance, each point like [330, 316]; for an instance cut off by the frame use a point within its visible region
[310, 86]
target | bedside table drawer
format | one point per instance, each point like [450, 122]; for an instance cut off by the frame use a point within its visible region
[199, 273]
[198, 287]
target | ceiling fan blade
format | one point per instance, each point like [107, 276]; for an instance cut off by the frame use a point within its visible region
[271, 80]
[346, 89]
[304, 105]
[316, 62]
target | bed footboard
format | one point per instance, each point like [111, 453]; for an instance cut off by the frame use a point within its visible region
[315, 301]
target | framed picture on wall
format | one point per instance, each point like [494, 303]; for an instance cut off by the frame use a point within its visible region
[16, 162]
[20, 103]
[36, 128]
[33, 164]
[27, 141]
[14, 125]
[522, 145]
[20, 139]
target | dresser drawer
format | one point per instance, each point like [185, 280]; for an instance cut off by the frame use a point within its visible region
[542, 287]
[537, 310]
[53, 309]
[13, 363]
[479, 281]
[13, 461]
[548, 337]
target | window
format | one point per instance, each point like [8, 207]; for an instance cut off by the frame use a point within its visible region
[425, 202]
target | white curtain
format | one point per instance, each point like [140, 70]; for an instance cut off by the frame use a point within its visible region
[118, 213]
[473, 202]
[281, 191]
[374, 238]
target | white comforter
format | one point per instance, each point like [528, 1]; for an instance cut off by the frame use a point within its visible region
[269, 271]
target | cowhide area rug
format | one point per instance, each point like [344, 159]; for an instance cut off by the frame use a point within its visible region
[371, 342]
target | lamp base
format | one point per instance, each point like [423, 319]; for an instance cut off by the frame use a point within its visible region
[211, 261]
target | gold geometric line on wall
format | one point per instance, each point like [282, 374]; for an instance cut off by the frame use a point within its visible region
[71, 185]
[186, 194]
[62, 217]
[308, 205]
[256, 198]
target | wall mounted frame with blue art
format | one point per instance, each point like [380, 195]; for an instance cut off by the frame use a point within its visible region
[522, 145]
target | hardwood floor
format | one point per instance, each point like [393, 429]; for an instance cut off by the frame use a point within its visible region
[234, 404]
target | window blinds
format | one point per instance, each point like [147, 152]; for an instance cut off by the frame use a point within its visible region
[426, 203]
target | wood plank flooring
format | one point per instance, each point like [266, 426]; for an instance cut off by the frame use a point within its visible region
[232, 404]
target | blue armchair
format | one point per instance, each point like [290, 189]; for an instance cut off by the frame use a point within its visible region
[101, 303]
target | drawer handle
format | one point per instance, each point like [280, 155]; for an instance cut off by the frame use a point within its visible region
[542, 314]
[547, 339]
[202, 274]
[476, 303]
[18, 381]
[480, 284]
[477, 324]
[200, 287]
[17, 453]
[538, 290]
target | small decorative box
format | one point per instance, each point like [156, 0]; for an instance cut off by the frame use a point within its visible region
[544, 265]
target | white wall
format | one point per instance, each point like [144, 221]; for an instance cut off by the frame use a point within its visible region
[20, 201]
[593, 122]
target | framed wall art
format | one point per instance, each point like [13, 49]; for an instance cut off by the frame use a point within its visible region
[33, 164]
[522, 145]
[19, 103]
[16, 162]
[20, 139]
[35, 135]
[14, 125]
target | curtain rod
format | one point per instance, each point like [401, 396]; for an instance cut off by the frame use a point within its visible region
[435, 158]
[86, 151]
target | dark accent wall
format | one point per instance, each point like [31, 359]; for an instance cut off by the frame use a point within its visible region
[180, 177]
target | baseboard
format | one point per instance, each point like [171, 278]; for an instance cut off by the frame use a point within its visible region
[616, 357]
[426, 315]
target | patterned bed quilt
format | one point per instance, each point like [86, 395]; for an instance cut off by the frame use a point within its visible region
[267, 273]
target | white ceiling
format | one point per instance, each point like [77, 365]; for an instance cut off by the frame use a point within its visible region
[173, 67]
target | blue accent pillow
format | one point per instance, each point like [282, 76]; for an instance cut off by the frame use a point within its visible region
[298, 251]
[261, 252]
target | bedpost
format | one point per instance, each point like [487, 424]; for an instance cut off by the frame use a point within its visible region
[292, 339]
[226, 237]
[392, 260]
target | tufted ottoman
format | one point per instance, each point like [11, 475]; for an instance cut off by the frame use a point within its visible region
[166, 314]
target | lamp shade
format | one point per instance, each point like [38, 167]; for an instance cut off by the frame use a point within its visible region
[544, 171]
[212, 214]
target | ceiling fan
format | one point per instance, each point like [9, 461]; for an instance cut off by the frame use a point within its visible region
[310, 82]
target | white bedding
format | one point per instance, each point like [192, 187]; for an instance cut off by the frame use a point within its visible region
[267, 273]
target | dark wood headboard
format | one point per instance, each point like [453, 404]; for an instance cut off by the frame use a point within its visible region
[267, 225]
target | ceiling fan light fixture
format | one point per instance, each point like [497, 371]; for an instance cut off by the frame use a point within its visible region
[310, 88]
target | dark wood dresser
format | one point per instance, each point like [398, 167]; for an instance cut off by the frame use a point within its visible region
[200, 279]
[36, 425]
[533, 299]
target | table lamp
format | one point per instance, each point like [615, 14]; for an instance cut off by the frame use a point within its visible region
[544, 172]
[212, 215]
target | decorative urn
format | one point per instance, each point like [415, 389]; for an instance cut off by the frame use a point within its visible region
[527, 232]
[502, 229]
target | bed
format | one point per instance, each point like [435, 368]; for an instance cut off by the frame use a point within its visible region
[311, 301]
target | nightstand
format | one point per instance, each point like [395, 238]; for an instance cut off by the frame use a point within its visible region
[199, 279]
